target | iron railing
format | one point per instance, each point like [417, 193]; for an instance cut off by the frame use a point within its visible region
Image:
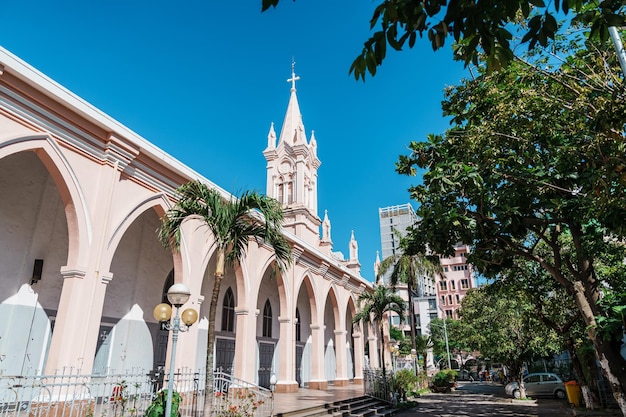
[69, 394]
[232, 394]
[377, 385]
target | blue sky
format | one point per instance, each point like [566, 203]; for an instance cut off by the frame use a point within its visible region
[204, 79]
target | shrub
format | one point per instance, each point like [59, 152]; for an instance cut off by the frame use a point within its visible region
[444, 381]
[158, 405]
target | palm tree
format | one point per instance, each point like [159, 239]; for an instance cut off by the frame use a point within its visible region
[233, 223]
[406, 267]
[374, 305]
[423, 343]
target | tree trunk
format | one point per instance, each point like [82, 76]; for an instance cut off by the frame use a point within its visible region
[520, 382]
[219, 274]
[612, 362]
[578, 370]
[382, 354]
[412, 319]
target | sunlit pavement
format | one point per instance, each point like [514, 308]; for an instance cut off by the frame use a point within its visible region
[484, 399]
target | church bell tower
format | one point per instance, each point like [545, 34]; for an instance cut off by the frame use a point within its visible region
[292, 166]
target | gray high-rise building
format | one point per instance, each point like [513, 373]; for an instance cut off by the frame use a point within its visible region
[398, 219]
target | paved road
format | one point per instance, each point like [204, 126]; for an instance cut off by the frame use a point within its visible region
[484, 400]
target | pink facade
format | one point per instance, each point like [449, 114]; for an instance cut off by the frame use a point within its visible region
[82, 196]
[457, 278]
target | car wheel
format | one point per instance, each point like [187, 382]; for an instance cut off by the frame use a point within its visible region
[560, 394]
[517, 394]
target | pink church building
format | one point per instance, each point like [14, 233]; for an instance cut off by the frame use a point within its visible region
[81, 268]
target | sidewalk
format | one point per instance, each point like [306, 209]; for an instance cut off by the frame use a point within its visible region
[306, 398]
[485, 400]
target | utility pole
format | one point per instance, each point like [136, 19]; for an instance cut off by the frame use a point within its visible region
[619, 48]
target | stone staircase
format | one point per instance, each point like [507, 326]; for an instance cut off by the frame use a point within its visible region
[354, 407]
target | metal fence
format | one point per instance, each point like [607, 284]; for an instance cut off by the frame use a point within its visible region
[232, 396]
[377, 385]
[129, 394]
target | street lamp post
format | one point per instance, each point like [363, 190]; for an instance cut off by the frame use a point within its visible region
[445, 335]
[415, 365]
[273, 381]
[177, 294]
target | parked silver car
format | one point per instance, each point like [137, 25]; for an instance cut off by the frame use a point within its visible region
[538, 384]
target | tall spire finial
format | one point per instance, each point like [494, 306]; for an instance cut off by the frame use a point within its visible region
[293, 78]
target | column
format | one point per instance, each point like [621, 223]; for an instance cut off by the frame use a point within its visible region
[340, 353]
[245, 364]
[359, 352]
[286, 378]
[75, 336]
[318, 378]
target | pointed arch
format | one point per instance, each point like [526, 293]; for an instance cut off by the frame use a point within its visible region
[158, 202]
[80, 229]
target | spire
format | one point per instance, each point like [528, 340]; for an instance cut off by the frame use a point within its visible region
[376, 265]
[326, 228]
[313, 142]
[354, 248]
[271, 138]
[293, 128]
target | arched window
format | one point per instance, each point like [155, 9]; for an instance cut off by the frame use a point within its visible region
[280, 193]
[298, 325]
[267, 319]
[228, 311]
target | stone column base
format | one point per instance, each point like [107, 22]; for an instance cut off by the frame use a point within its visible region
[319, 385]
[286, 387]
[341, 382]
[357, 381]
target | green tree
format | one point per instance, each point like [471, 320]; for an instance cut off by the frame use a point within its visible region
[485, 29]
[423, 343]
[535, 161]
[456, 338]
[408, 267]
[233, 223]
[503, 326]
[372, 308]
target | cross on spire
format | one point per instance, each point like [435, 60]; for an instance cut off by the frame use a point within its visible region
[293, 78]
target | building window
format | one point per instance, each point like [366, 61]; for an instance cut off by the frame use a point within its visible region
[290, 191]
[443, 300]
[450, 299]
[464, 284]
[449, 314]
[453, 285]
[298, 326]
[445, 269]
[459, 268]
[443, 285]
[458, 299]
[267, 319]
[228, 311]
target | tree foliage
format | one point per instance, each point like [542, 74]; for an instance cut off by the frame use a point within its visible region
[533, 168]
[503, 325]
[374, 305]
[485, 28]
